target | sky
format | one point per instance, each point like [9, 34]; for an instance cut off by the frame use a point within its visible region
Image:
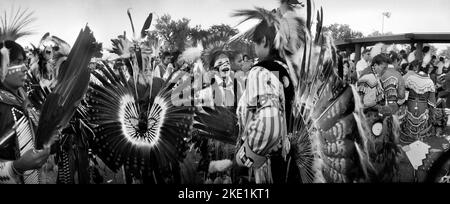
[108, 18]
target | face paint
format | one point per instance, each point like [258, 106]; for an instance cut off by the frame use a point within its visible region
[17, 68]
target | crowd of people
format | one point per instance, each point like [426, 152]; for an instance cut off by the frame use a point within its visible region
[405, 92]
[296, 113]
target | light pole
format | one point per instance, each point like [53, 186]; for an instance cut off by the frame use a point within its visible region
[388, 15]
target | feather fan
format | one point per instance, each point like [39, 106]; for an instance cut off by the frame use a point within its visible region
[217, 123]
[141, 140]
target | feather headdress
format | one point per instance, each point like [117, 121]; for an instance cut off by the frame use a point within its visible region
[15, 26]
[191, 55]
[135, 54]
[124, 47]
[121, 46]
[213, 51]
[261, 14]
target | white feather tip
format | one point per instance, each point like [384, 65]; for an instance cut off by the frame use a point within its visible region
[219, 166]
[5, 61]
[191, 55]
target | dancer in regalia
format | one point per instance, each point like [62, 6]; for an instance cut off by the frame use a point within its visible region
[379, 94]
[19, 120]
[304, 114]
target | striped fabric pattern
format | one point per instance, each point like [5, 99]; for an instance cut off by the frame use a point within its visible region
[264, 132]
[261, 111]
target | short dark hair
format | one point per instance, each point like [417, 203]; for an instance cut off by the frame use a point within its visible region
[165, 54]
[264, 30]
[15, 50]
[394, 57]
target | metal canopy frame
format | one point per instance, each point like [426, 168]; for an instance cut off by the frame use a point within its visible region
[355, 44]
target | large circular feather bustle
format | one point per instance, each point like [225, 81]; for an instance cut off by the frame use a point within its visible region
[140, 140]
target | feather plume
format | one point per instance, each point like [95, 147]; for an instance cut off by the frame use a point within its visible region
[15, 26]
[44, 37]
[64, 47]
[61, 104]
[4, 52]
[219, 166]
[265, 16]
[309, 12]
[191, 55]
[121, 46]
[377, 49]
[291, 4]
[213, 51]
[147, 24]
[258, 13]
[131, 21]
[38, 94]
